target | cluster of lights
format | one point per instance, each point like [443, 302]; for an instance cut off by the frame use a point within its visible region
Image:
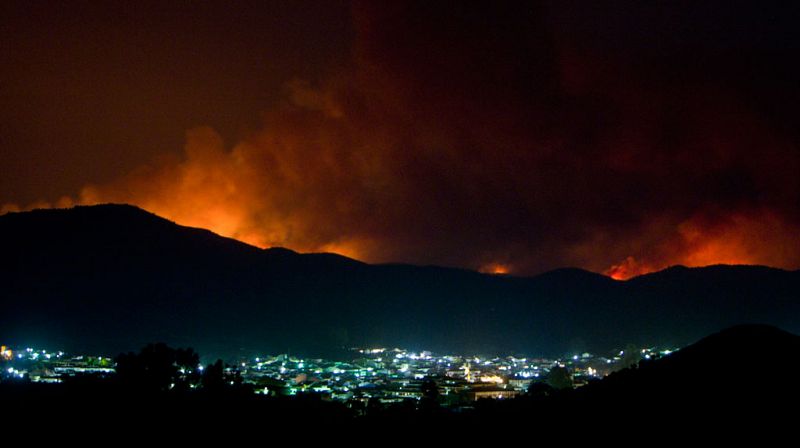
[16, 373]
[31, 354]
[371, 351]
[383, 366]
[49, 367]
[399, 367]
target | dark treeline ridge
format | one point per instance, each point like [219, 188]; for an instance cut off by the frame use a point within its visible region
[111, 278]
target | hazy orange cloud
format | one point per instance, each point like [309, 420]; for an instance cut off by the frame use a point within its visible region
[516, 154]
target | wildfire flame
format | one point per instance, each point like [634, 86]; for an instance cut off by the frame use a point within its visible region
[495, 269]
[757, 237]
[402, 155]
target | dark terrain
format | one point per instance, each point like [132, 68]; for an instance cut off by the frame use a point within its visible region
[739, 381]
[111, 278]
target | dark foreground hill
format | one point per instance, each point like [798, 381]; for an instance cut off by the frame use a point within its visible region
[739, 381]
[107, 279]
[743, 366]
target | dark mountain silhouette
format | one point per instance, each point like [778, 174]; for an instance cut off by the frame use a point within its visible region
[743, 365]
[112, 278]
[736, 382]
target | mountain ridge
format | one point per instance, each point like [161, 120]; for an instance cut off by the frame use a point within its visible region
[113, 277]
[132, 210]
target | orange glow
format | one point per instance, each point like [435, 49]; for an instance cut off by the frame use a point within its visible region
[742, 238]
[628, 268]
[392, 152]
[346, 249]
[321, 177]
[495, 269]
[229, 193]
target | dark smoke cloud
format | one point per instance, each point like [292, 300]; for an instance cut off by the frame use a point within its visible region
[516, 138]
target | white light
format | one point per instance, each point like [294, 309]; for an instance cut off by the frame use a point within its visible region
[10, 370]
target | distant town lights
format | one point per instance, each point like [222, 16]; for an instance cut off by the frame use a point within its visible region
[374, 374]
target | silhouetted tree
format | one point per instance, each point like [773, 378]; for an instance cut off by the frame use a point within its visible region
[213, 376]
[357, 406]
[187, 361]
[430, 394]
[236, 378]
[158, 367]
[538, 389]
[559, 378]
[630, 357]
[374, 406]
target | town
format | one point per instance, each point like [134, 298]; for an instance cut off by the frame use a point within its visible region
[373, 375]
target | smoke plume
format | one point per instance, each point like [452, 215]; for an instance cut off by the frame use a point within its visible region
[503, 139]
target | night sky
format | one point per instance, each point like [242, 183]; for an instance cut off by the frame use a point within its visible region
[522, 137]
